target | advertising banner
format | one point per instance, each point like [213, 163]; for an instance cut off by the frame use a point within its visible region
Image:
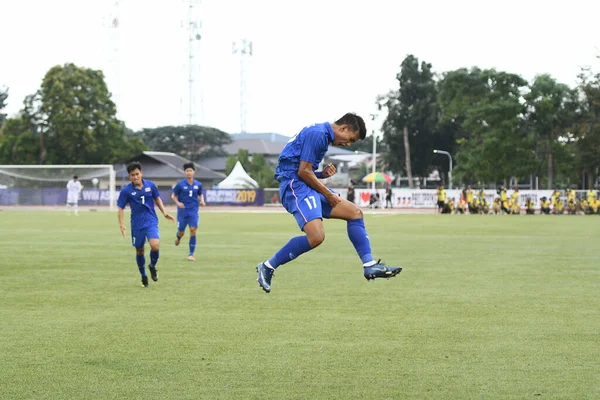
[234, 197]
[427, 198]
[53, 197]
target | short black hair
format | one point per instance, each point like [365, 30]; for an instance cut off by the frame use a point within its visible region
[75, 177]
[189, 165]
[355, 123]
[133, 166]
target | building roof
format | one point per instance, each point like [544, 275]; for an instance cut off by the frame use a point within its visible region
[170, 165]
[254, 146]
[338, 151]
[218, 163]
[266, 147]
[269, 137]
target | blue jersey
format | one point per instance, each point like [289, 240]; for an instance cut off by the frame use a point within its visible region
[309, 145]
[188, 194]
[141, 202]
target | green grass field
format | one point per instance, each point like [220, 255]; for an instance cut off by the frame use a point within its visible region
[487, 307]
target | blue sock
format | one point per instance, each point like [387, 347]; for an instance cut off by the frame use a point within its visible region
[192, 245]
[295, 247]
[141, 262]
[153, 258]
[358, 236]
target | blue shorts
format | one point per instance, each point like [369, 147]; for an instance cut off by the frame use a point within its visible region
[303, 202]
[186, 218]
[138, 236]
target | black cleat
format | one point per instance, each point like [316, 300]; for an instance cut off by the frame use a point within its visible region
[264, 276]
[380, 270]
[154, 274]
[144, 281]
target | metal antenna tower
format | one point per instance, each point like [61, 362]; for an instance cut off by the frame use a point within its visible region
[194, 36]
[244, 49]
[112, 23]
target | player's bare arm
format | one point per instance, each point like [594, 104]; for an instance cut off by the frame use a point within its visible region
[161, 207]
[306, 173]
[202, 203]
[177, 202]
[121, 225]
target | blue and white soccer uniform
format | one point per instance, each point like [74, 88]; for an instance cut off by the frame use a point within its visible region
[188, 195]
[299, 199]
[144, 222]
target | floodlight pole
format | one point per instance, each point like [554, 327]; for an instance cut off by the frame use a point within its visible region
[373, 169]
[244, 48]
[450, 170]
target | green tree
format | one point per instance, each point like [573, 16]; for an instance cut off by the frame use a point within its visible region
[587, 126]
[256, 166]
[262, 172]
[366, 145]
[551, 109]
[191, 141]
[74, 119]
[414, 106]
[483, 110]
[18, 144]
[459, 91]
[3, 97]
[243, 157]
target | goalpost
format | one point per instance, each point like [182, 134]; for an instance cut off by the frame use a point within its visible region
[45, 185]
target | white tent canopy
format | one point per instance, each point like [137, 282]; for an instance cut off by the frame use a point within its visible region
[238, 179]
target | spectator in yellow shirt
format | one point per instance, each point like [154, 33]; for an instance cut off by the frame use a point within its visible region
[441, 198]
[503, 199]
[462, 205]
[591, 195]
[555, 200]
[595, 206]
[571, 202]
[584, 206]
[570, 195]
[497, 206]
[515, 207]
[529, 206]
[544, 206]
[470, 197]
[448, 207]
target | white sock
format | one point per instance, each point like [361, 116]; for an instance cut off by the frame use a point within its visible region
[369, 264]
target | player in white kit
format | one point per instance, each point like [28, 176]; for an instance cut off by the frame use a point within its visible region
[73, 189]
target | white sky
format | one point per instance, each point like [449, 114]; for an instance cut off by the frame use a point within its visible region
[313, 60]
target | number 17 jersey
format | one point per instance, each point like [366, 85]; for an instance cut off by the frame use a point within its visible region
[188, 195]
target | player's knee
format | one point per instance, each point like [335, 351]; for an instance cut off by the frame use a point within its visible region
[193, 231]
[316, 238]
[181, 233]
[140, 251]
[356, 213]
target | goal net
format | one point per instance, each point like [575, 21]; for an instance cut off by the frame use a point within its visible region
[46, 185]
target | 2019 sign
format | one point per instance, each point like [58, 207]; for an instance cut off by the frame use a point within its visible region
[234, 197]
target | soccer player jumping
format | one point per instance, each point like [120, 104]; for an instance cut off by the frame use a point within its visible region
[141, 195]
[309, 201]
[187, 194]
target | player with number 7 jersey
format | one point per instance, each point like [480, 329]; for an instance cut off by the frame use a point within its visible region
[141, 195]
